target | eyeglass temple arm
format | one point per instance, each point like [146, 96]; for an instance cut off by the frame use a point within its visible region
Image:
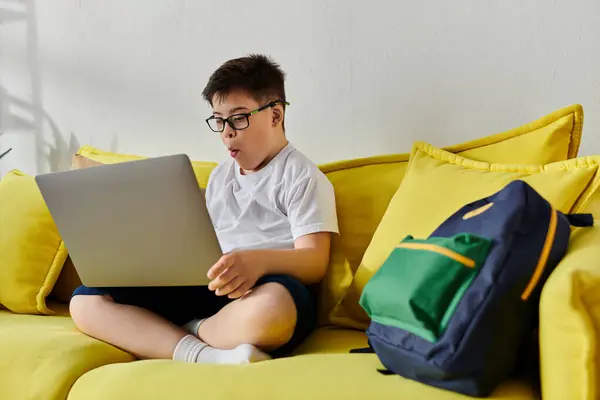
[271, 104]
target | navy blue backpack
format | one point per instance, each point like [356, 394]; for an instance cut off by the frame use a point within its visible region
[478, 324]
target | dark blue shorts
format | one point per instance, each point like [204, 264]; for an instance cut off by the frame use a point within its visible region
[180, 304]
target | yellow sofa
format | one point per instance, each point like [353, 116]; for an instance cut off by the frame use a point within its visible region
[45, 357]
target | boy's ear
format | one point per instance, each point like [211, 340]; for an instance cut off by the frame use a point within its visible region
[277, 115]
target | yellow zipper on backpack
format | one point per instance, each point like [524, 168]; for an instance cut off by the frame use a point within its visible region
[467, 262]
[543, 260]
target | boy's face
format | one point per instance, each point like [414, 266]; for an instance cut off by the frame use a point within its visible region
[250, 147]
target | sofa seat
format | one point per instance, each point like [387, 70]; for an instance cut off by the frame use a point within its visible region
[42, 356]
[46, 357]
[322, 370]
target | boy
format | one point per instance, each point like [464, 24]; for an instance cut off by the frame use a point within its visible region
[273, 211]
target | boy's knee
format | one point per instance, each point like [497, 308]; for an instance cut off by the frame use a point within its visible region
[272, 314]
[84, 308]
[274, 299]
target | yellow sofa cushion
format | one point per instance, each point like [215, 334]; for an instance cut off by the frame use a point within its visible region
[311, 376]
[31, 251]
[202, 169]
[48, 358]
[364, 187]
[436, 184]
[43, 356]
[570, 318]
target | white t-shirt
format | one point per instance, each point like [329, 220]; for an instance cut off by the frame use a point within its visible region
[288, 198]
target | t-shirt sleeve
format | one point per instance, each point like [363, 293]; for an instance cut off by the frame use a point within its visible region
[311, 206]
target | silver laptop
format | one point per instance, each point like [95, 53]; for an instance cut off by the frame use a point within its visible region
[138, 223]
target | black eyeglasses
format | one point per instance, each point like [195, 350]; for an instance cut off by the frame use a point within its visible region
[238, 122]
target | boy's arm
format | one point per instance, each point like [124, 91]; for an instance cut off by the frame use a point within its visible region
[307, 262]
[237, 272]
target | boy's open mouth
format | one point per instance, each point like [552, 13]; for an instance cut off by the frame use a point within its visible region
[234, 152]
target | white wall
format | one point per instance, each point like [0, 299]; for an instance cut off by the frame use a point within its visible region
[364, 77]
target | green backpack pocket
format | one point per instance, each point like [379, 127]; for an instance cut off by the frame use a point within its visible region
[420, 284]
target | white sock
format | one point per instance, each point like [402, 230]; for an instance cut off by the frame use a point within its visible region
[192, 350]
[193, 326]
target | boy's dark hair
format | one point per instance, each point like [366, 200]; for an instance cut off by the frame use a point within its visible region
[256, 74]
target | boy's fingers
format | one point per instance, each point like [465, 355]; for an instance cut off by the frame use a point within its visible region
[220, 266]
[242, 290]
[232, 286]
[223, 279]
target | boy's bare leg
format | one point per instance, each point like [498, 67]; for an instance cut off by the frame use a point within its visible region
[130, 328]
[265, 317]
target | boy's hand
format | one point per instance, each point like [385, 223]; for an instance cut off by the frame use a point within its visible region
[235, 274]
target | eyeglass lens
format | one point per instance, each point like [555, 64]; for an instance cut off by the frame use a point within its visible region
[238, 122]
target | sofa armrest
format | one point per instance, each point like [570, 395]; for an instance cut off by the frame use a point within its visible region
[570, 321]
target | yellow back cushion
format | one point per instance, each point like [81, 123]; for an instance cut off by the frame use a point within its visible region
[31, 251]
[569, 313]
[437, 183]
[202, 169]
[364, 187]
